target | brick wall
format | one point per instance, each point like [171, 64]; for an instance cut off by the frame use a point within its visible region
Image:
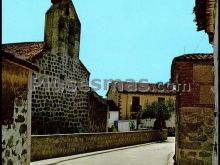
[195, 76]
[183, 73]
[195, 112]
[52, 146]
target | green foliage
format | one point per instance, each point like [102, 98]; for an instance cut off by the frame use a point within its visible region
[131, 125]
[162, 110]
[170, 105]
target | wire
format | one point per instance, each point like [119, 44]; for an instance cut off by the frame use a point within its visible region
[199, 44]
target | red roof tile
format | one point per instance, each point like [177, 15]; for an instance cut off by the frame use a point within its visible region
[195, 57]
[12, 58]
[25, 51]
[134, 87]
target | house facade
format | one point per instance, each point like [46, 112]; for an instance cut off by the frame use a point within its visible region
[60, 88]
[128, 96]
[113, 114]
[195, 108]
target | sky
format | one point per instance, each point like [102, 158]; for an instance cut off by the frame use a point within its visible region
[120, 39]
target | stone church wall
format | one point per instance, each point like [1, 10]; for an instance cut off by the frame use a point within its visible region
[58, 105]
[60, 94]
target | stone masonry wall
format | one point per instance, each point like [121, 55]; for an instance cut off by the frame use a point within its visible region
[14, 139]
[16, 135]
[196, 132]
[98, 112]
[56, 109]
[195, 113]
[52, 146]
[60, 103]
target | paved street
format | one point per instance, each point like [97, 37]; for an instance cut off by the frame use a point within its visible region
[157, 153]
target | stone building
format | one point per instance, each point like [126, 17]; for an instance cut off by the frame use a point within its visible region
[195, 108]
[60, 89]
[16, 110]
[98, 112]
[206, 12]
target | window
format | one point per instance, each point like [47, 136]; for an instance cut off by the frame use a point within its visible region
[135, 103]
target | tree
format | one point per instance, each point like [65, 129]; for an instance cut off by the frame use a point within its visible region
[161, 111]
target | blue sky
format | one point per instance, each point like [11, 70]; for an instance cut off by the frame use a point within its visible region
[120, 39]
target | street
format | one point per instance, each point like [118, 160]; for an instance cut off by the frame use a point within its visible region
[155, 153]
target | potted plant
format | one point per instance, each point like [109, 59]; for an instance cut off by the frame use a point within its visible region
[131, 125]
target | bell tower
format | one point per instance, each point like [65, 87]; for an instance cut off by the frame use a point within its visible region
[62, 28]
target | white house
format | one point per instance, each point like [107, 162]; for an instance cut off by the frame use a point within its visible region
[113, 113]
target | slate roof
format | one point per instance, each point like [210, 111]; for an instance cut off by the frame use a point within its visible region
[197, 57]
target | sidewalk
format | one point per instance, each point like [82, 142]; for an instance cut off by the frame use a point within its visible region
[156, 153]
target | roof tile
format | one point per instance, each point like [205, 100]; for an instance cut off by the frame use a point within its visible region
[135, 87]
[25, 51]
[195, 57]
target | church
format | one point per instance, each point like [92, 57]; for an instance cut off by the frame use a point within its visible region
[61, 87]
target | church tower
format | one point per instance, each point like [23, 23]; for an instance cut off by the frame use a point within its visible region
[62, 29]
[59, 104]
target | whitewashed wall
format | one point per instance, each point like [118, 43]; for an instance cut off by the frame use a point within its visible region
[123, 125]
[150, 122]
[113, 116]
